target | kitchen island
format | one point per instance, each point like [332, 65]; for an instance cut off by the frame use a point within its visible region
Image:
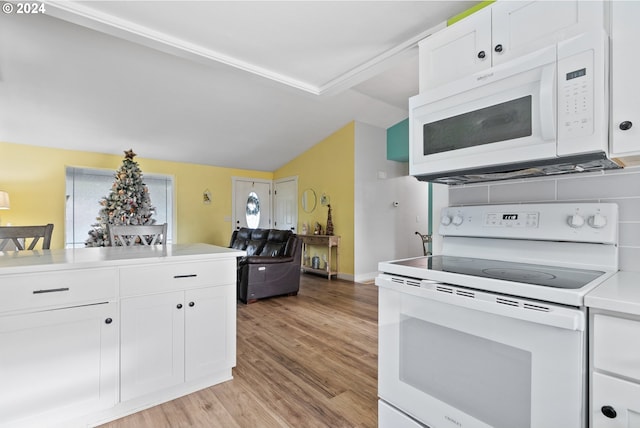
[90, 335]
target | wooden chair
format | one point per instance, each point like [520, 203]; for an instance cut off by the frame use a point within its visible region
[138, 235]
[20, 235]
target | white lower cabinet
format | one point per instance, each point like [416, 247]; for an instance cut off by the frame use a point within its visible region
[57, 364]
[88, 336]
[210, 340]
[171, 338]
[152, 343]
[615, 373]
[616, 402]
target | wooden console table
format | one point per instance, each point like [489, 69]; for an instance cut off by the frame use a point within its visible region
[330, 242]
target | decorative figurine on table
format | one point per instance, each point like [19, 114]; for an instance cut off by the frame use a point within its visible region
[329, 222]
[318, 229]
[305, 228]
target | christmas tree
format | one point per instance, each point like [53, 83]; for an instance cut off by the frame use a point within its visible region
[127, 204]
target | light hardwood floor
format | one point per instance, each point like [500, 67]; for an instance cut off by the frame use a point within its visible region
[303, 361]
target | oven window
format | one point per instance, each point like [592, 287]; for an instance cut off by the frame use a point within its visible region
[489, 381]
[500, 122]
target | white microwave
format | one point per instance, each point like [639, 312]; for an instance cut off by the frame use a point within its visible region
[540, 114]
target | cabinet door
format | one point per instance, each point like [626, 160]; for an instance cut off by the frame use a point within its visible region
[210, 330]
[152, 343]
[456, 51]
[521, 27]
[615, 403]
[58, 365]
[625, 89]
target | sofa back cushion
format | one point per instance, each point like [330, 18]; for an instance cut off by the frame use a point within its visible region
[276, 235]
[239, 244]
[243, 234]
[272, 249]
[254, 247]
[259, 234]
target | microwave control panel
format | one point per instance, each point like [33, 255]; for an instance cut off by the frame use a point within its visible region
[575, 96]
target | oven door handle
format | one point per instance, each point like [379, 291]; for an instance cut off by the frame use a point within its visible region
[506, 306]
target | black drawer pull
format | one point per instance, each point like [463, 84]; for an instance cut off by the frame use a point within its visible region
[50, 290]
[192, 275]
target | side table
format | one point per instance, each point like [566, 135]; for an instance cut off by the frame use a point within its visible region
[331, 243]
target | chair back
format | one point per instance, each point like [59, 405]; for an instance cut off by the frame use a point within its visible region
[20, 236]
[138, 235]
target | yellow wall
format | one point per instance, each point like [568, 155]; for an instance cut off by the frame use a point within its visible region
[35, 180]
[328, 167]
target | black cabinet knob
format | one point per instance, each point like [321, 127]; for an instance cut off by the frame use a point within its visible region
[626, 125]
[609, 412]
[108, 321]
[481, 54]
[179, 306]
[191, 304]
[498, 48]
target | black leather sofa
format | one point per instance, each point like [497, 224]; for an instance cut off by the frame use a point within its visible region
[271, 266]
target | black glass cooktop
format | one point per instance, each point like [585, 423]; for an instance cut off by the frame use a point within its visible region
[549, 276]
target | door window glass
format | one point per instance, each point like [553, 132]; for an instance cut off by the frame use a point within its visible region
[253, 210]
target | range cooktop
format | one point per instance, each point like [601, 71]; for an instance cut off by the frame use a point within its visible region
[548, 276]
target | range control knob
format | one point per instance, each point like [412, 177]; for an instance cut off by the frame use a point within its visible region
[457, 220]
[597, 221]
[445, 220]
[575, 221]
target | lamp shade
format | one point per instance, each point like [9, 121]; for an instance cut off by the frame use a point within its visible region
[4, 200]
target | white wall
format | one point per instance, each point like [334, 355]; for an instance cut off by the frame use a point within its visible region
[621, 187]
[382, 231]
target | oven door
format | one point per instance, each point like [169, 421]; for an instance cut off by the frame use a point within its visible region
[504, 116]
[456, 357]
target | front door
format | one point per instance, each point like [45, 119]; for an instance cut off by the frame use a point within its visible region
[286, 204]
[252, 203]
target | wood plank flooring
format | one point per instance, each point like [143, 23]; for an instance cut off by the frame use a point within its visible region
[303, 361]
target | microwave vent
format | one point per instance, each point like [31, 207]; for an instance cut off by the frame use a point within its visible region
[546, 167]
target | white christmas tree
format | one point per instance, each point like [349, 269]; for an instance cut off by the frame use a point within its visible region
[128, 203]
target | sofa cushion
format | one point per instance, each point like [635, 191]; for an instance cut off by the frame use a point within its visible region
[254, 247]
[276, 235]
[272, 249]
[259, 234]
[239, 244]
[243, 234]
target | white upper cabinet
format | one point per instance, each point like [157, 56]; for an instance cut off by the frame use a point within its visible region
[500, 32]
[456, 51]
[625, 89]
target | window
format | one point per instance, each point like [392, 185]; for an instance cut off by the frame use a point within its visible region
[253, 210]
[86, 187]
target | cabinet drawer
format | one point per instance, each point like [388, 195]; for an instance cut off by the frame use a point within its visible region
[57, 289]
[176, 276]
[614, 395]
[617, 345]
[311, 240]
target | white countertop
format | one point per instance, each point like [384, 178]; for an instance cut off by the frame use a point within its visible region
[12, 262]
[620, 293]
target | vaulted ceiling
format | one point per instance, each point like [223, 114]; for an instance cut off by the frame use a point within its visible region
[228, 83]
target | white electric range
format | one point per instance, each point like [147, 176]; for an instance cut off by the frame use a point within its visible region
[492, 332]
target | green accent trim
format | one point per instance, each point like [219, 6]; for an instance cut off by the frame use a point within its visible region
[469, 11]
[398, 142]
[430, 214]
